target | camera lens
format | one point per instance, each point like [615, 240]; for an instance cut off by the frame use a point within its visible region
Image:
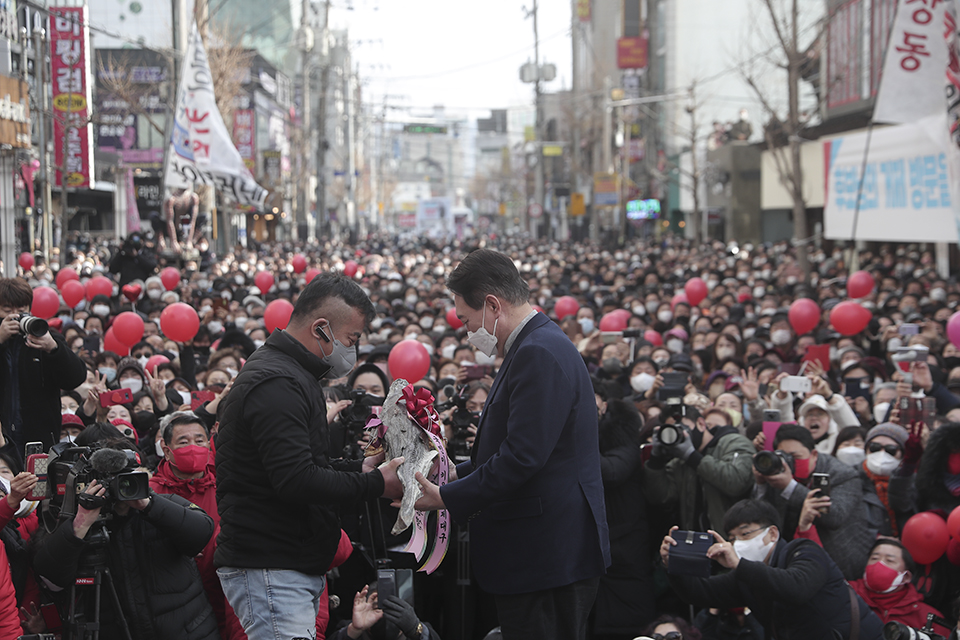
[127, 487]
[33, 326]
[768, 463]
[670, 435]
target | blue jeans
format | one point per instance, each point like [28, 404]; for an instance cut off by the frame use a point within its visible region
[273, 604]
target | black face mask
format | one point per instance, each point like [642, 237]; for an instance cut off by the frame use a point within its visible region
[146, 422]
[696, 437]
[612, 366]
[951, 362]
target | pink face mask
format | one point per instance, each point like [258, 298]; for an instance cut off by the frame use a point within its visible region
[882, 579]
[191, 458]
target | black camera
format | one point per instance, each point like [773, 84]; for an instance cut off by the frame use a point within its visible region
[33, 326]
[354, 419]
[459, 421]
[770, 463]
[900, 631]
[671, 434]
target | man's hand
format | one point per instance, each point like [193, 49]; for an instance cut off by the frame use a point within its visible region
[819, 386]
[781, 480]
[759, 440]
[365, 613]
[400, 613]
[9, 327]
[813, 506]
[391, 482]
[722, 551]
[86, 517]
[431, 500]
[775, 384]
[372, 462]
[652, 391]
[749, 384]
[20, 486]
[668, 542]
[921, 376]
[44, 343]
[334, 410]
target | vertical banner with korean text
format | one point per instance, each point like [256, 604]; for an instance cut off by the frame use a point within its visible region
[70, 68]
[243, 136]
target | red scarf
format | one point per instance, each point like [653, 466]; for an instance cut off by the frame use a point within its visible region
[882, 484]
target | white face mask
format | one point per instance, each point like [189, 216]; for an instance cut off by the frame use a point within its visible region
[233, 372]
[134, 384]
[882, 463]
[447, 351]
[665, 316]
[159, 448]
[853, 456]
[426, 322]
[143, 361]
[64, 412]
[101, 310]
[652, 305]
[780, 336]
[748, 333]
[642, 382]
[754, 549]
[661, 361]
[639, 310]
[240, 322]
[185, 396]
[586, 326]
[154, 294]
[483, 340]
[258, 343]
[758, 292]
[725, 352]
[880, 411]
[68, 438]
[675, 345]
[215, 326]
[411, 300]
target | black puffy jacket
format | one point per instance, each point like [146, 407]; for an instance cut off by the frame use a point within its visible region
[150, 556]
[277, 492]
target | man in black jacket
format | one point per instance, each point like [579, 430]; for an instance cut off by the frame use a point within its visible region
[33, 370]
[133, 261]
[277, 491]
[794, 589]
[149, 550]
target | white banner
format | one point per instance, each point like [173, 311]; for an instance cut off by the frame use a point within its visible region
[201, 149]
[911, 86]
[906, 190]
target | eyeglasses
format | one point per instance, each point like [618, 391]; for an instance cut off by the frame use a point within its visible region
[892, 449]
[672, 635]
[746, 535]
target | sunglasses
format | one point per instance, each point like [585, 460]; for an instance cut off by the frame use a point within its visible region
[673, 635]
[892, 449]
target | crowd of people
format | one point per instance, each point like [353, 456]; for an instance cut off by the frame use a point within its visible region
[803, 454]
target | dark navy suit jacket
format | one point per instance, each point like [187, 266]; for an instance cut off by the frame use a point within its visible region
[532, 491]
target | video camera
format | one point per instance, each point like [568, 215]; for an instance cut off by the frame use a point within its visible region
[355, 418]
[459, 421]
[671, 394]
[900, 631]
[770, 463]
[32, 325]
[66, 471]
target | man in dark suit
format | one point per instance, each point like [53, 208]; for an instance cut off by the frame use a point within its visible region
[531, 491]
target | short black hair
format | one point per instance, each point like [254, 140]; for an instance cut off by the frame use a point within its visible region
[795, 432]
[484, 272]
[331, 285]
[15, 292]
[178, 418]
[749, 511]
[908, 561]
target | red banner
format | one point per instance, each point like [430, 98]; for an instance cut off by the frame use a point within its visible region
[70, 66]
[243, 126]
[632, 52]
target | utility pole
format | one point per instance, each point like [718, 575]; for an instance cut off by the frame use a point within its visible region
[322, 222]
[537, 129]
[46, 196]
[695, 166]
[351, 131]
[576, 153]
[303, 200]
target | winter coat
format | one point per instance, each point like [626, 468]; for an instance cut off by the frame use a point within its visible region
[878, 518]
[133, 267]
[843, 529]
[150, 556]
[277, 491]
[800, 595]
[909, 608]
[203, 493]
[9, 614]
[625, 599]
[40, 377]
[841, 415]
[722, 474]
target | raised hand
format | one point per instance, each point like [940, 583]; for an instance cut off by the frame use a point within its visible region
[749, 384]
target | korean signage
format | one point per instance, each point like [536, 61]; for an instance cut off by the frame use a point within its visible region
[905, 195]
[632, 52]
[606, 189]
[583, 10]
[243, 136]
[70, 68]
[14, 112]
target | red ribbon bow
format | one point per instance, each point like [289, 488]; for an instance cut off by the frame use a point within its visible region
[420, 407]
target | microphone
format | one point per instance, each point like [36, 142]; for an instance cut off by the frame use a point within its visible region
[110, 461]
[449, 391]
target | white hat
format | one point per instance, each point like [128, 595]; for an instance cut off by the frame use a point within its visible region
[815, 401]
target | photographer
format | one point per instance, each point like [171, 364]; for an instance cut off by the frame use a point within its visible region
[149, 552]
[33, 370]
[702, 462]
[460, 423]
[133, 261]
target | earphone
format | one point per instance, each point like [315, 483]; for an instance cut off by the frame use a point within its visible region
[320, 333]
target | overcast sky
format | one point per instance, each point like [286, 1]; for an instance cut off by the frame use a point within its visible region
[465, 55]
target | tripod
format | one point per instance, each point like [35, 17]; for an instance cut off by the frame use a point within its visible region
[93, 571]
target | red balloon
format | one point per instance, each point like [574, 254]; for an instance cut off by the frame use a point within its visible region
[538, 308]
[46, 302]
[66, 275]
[128, 328]
[653, 337]
[452, 318]
[804, 315]
[408, 360]
[849, 318]
[179, 322]
[72, 292]
[311, 274]
[99, 286]
[155, 361]
[696, 290]
[613, 321]
[26, 261]
[566, 306]
[110, 343]
[350, 270]
[678, 298]
[953, 523]
[953, 551]
[860, 284]
[170, 278]
[131, 292]
[925, 536]
[299, 263]
[277, 315]
[263, 280]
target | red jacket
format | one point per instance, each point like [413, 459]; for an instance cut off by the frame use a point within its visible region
[9, 614]
[203, 493]
[903, 605]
